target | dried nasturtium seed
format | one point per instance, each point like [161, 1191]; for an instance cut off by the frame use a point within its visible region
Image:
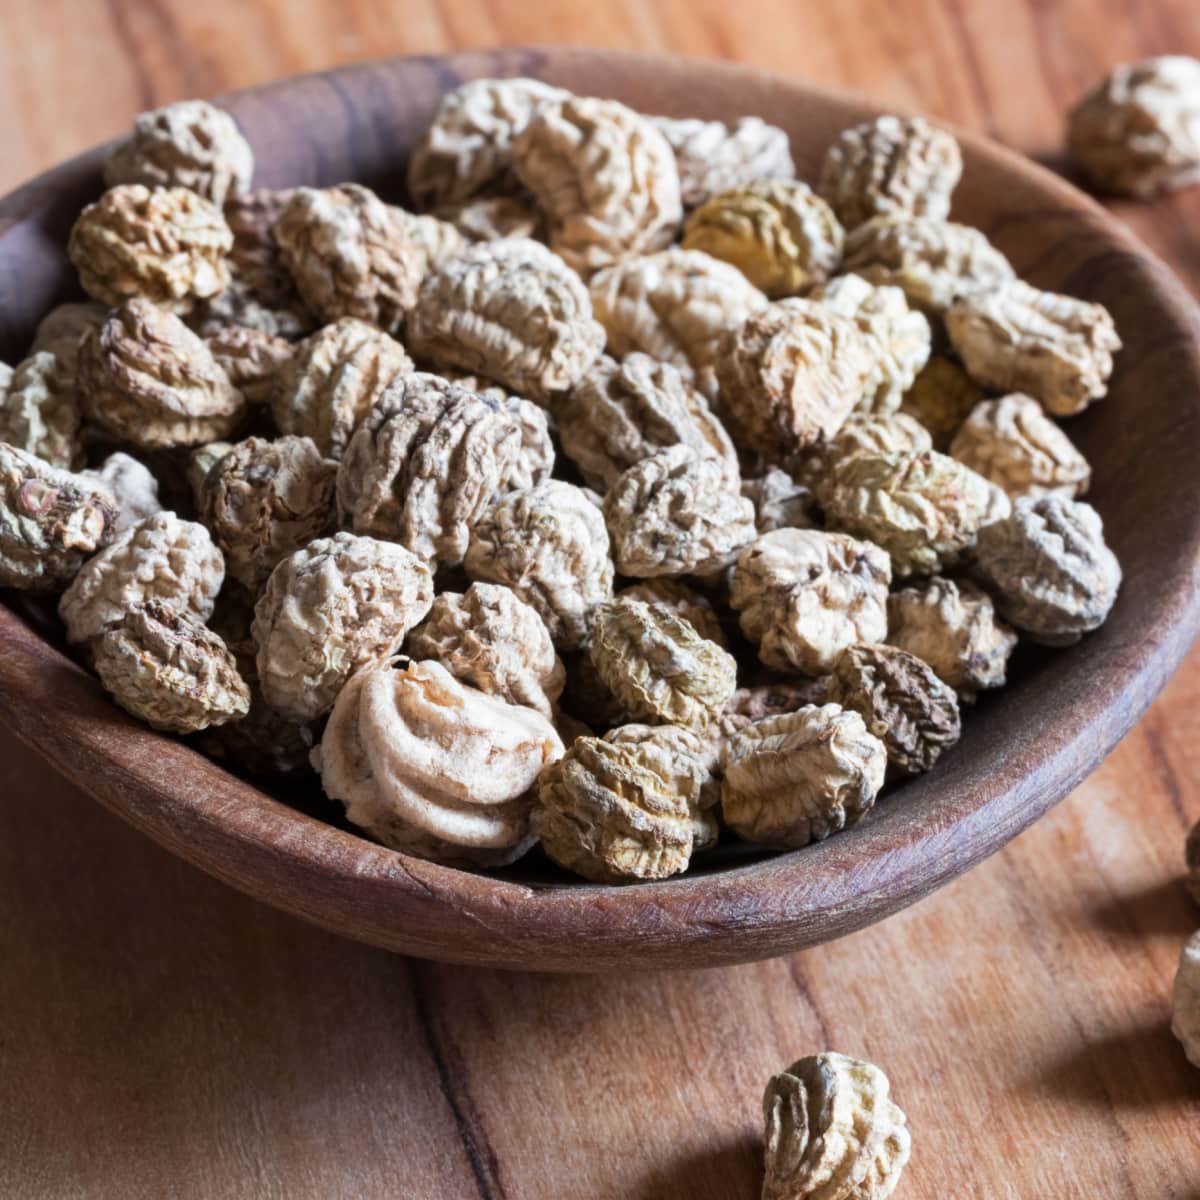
[804, 596]
[934, 263]
[266, 499]
[862, 433]
[923, 508]
[147, 379]
[604, 177]
[511, 310]
[780, 502]
[674, 513]
[335, 376]
[622, 412]
[902, 701]
[350, 255]
[327, 610]
[952, 625]
[1048, 568]
[39, 412]
[693, 752]
[163, 666]
[686, 602]
[491, 639]
[619, 812]
[899, 336]
[428, 459]
[780, 234]
[432, 767]
[165, 244]
[131, 485]
[251, 358]
[162, 558]
[1017, 338]
[548, 543]
[833, 1133]
[189, 144]
[713, 157]
[535, 458]
[50, 521]
[1185, 1014]
[790, 376]
[891, 167]
[467, 149]
[1138, 131]
[676, 306]
[941, 397]
[657, 666]
[261, 293]
[1013, 443]
[801, 776]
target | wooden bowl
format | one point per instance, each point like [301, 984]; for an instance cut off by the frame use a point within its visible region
[1022, 749]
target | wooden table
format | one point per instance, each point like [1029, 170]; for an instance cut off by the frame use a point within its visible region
[162, 1036]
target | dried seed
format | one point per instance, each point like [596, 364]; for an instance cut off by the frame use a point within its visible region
[1138, 131]
[780, 234]
[891, 167]
[657, 666]
[432, 767]
[832, 1132]
[804, 596]
[165, 244]
[162, 559]
[797, 778]
[189, 144]
[329, 609]
[1049, 569]
[548, 543]
[168, 670]
[51, 521]
[903, 702]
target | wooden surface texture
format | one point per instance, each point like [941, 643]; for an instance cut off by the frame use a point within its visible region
[163, 1036]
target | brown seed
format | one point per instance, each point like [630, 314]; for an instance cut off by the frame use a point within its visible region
[902, 701]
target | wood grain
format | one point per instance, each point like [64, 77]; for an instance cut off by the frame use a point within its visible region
[162, 1035]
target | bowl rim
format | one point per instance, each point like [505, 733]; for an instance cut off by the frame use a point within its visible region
[339, 880]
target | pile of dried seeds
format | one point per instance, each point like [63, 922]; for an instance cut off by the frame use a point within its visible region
[631, 495]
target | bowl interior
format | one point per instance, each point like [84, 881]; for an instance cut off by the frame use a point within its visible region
[1022, 749]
